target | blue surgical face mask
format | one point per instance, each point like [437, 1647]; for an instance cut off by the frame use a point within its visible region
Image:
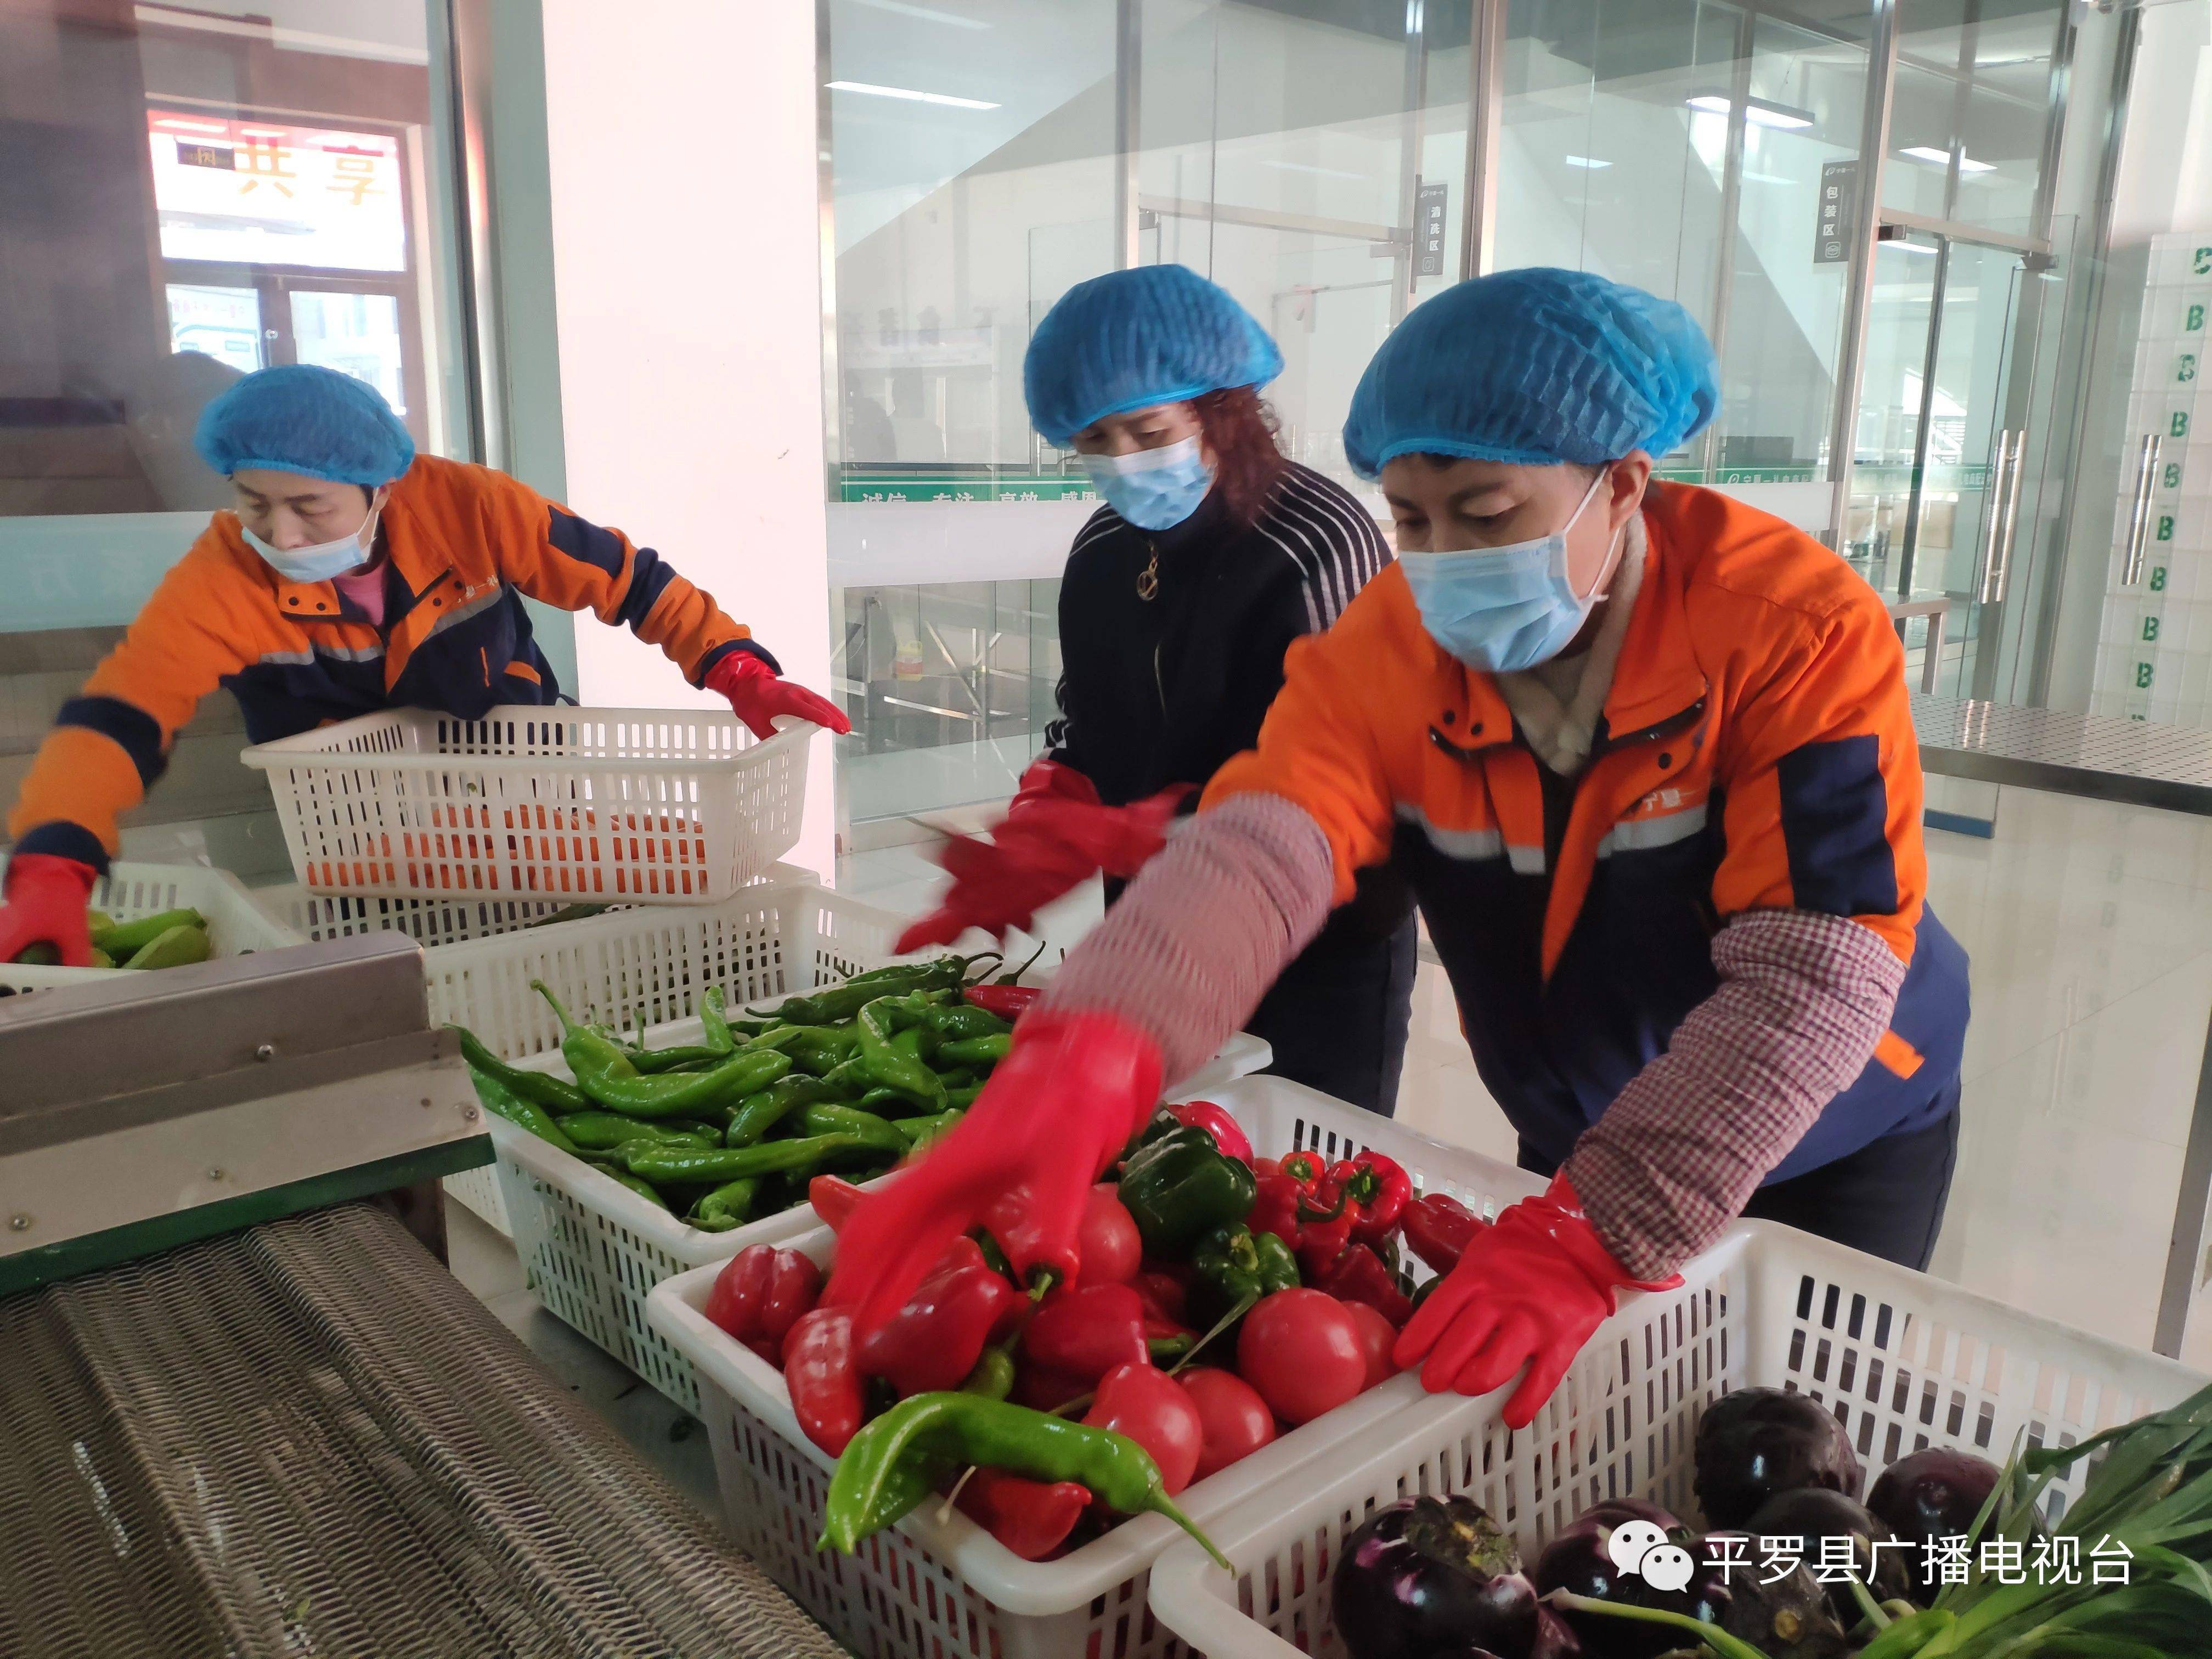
[1153, 489]
[1502, 609]
[324, 559]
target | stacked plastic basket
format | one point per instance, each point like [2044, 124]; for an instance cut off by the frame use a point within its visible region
[627, 857]
[1903, 1360]
[938, 1587]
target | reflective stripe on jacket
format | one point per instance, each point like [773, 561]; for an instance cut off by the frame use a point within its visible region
[462, 545]
[1757, 752]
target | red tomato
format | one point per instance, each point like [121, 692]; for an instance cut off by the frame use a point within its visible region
[1377, 1336]
[1237, 1421]
[1110, 1247]
[1302, 1352]
[1151, 1408]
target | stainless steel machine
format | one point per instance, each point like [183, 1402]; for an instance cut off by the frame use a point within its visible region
[243, 1414]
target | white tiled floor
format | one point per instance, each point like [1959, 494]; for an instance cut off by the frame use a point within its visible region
[2090, 930]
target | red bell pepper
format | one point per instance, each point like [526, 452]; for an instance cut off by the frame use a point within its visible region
[833, 1197]
[1324, 1228]
[1216, 1121]
[827, 1395]
[1165, 1296]
[1309, 1169]
[1029, 1517]
[1376, 1191]
[932, 1343]
[1008, 1002]
[1360, 1275]
[1083, 1333]
[1439, 1228]
[760, 1294]
[1276, 1209]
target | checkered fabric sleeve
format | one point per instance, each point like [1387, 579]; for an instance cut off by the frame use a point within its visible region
[1803, 998]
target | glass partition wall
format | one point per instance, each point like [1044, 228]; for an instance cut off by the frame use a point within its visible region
[1859, 200]
[194, 194]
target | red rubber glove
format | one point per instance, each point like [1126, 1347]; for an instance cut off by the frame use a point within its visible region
[1058, 1111]
[757, 695]
[1528, 1290]
[47, 896]
[1056, 834]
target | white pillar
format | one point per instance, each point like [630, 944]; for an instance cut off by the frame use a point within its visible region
[687, 260]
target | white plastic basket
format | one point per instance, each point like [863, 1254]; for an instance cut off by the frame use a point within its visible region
[593, 1249]
[945, 1588]
[633, 805]
[129, 892]
[1903, 1360]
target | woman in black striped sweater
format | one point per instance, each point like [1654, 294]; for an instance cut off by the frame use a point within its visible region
[1213, 553]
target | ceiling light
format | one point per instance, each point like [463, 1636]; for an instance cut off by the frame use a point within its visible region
[928, 14]
[1908, 247]
[1591, 162]
[1760, 112]
[910, 95]
[179, 124]
[1941, 158]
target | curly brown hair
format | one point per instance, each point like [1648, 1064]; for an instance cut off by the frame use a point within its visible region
[1240, 428]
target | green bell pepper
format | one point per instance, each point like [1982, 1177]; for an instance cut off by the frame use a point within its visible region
[1236, 1267]
[1180, 1188]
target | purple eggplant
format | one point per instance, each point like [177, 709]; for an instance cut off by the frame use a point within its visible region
[1812, 1513]
[1579, 1561]
[1932, 1494]
[1757, 1442]
[1787, 1619]
[1433, 1578]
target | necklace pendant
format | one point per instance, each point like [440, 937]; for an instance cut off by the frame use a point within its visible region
[1148, 579]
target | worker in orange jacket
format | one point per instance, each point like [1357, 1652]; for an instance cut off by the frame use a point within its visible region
[351, 574]
[1644, 756]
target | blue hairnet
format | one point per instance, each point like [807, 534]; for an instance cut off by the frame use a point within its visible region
[298, 418]
[1157, 334]
[1537, 365]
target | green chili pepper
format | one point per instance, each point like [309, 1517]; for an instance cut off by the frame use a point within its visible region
[757, 1113]
[890, 1066]
[726, 1163]
[555, 1094]
[962, 1099]
[1181, 1188]
[777, 1039]
[822, 1048]
[714, 1021]
[728, 1205]
[642, 1189]
[914, 1038]
[1235, 1268]
[607, 1075]
[850, 1079]
[920, 1131]
[503, 1101]
[602, 1131]
[976, 1051]
[651, 1062]
[821, 1117]
[931, 1430]
[839, 1002]
[962, 1020]
[993, 1376]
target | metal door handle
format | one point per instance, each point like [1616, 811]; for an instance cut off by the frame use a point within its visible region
[2012, 512]
[1997, 484]
[2139, 521]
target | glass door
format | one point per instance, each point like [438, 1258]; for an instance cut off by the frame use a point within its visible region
[1941, 448]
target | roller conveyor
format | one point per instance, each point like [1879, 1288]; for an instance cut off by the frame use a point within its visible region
[307, 1438]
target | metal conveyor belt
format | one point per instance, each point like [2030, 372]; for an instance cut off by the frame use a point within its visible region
[306, 1438]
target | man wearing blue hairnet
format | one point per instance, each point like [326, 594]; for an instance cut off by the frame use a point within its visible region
[348, 574]
[1644, 755]
[1213, 553]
